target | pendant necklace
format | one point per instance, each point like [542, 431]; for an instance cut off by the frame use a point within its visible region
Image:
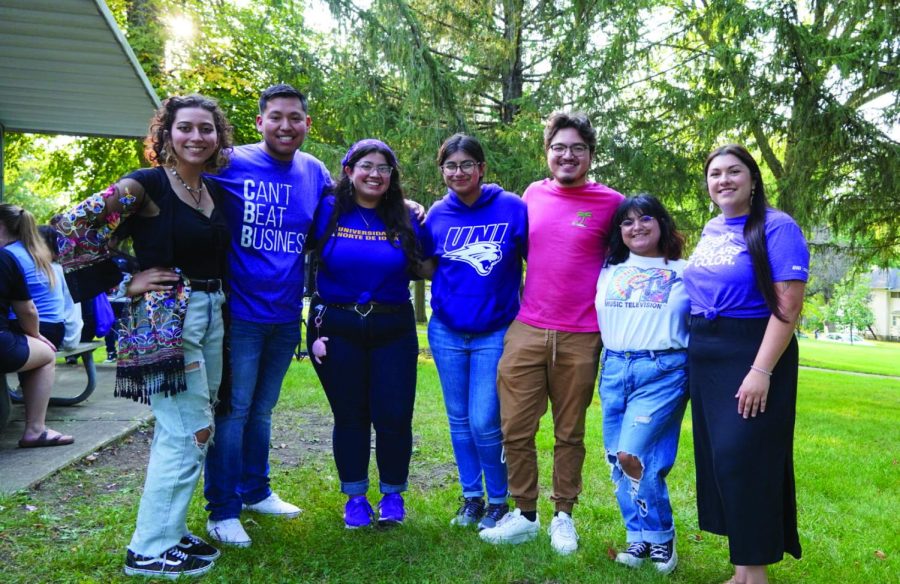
[362, 216]
[191, 190]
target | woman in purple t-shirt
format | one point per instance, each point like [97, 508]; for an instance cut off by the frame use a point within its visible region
[362, 329]
[745, 280]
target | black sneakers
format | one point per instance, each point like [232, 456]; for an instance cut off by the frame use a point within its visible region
[194, 546]
[171, 564]
[663, 556]
[470, 512]
[634, 555]
[493, 514]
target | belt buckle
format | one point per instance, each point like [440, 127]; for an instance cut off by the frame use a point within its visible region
[366, 313]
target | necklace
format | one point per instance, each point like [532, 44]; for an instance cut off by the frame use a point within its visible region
[362, 216]
[191, 190]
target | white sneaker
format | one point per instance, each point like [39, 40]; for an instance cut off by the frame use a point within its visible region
[512, 528]
[228, 531]
[563, 537]
[273, 505]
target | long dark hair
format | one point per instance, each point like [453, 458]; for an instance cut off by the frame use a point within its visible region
[671, 242]
[755, 227]
[391, 209]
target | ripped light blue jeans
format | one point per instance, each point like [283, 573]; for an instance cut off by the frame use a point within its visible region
[643, 396]
[176, 458]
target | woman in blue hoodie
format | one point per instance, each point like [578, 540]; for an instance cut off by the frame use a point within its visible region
[476, 238]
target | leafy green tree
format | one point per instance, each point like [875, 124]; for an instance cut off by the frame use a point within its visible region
[796, 81]
[850, 305]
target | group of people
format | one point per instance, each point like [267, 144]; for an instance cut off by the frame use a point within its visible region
[210, 221]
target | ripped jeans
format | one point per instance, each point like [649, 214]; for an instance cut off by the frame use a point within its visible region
[643, 396]
[176, 455]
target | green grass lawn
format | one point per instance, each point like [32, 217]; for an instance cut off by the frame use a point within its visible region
[847, 448]
[876, 357]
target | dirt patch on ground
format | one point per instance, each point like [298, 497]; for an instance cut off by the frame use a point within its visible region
[298, 437]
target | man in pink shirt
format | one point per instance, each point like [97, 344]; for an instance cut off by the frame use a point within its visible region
[552, 349]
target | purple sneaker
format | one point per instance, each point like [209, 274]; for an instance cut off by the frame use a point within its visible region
[358, 512]
[390, 510]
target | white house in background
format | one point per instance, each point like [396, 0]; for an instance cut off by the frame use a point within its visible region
[885, 303]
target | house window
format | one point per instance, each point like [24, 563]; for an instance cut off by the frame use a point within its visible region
[895, 294]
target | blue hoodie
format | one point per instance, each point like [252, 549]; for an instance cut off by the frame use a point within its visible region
[479, 251]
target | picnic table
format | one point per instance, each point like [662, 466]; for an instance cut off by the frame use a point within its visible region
[9, 395]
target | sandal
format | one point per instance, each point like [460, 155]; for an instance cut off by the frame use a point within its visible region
[42, 441]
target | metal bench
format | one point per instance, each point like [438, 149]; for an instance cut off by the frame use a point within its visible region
[9, 395]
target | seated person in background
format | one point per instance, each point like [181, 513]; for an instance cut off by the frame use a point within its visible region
[24, 346]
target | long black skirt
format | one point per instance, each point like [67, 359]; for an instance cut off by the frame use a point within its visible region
[745, 468]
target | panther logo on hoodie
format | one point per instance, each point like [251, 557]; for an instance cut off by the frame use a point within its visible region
[476, 245]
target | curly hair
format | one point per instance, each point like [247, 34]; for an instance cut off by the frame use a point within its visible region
[158, 145]
[671, 242]
[391, 207]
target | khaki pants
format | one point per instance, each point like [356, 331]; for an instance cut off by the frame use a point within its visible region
[538, 364]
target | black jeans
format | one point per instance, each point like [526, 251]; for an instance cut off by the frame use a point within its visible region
[369, 376]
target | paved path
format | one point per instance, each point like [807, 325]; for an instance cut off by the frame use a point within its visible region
[95, 422]
[879, 375]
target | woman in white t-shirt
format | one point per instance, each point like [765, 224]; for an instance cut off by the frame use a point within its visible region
[643, 312]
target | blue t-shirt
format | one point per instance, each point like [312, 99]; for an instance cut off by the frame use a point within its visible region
[358, 264]
[479, 251]
[719, 277]
[49, 301]
[270, 205]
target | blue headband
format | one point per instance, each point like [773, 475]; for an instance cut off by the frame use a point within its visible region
[368, 143]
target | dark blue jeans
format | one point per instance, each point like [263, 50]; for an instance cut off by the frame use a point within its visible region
[369, 376]
[237, 466]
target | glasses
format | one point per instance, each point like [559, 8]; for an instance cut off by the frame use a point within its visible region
[643, 221]
[382, 169]
[578, 150]
[467, 166]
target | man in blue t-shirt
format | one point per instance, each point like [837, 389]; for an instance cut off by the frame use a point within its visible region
[273, 190]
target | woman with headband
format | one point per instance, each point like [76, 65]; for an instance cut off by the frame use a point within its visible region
[362, 330]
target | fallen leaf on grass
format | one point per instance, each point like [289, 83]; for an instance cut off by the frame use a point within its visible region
[880, 555]
[695, 537]
[91, 458]
[611, 553]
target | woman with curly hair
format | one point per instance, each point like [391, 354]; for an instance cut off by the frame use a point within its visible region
[171, 337]
[362, 327]
[643, 309]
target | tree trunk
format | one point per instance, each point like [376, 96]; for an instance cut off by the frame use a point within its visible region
[419, 300]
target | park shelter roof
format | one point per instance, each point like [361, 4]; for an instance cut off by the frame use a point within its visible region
[66, 68]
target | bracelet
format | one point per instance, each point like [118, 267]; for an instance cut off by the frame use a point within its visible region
[761, 370]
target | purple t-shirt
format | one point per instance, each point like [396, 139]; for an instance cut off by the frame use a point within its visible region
[270, 207]
[719, 278]
[358, 264]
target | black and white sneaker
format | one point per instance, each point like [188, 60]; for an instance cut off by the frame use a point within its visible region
[171, 564]
[663, 556]
[194, 546]
[635, 554]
